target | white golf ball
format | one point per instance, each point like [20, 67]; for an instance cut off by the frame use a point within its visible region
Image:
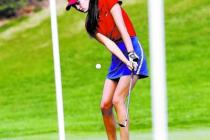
[98, 66]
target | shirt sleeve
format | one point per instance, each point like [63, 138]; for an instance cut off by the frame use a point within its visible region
[111, 3]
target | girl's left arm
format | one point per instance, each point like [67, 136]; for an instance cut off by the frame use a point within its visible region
[119, 21]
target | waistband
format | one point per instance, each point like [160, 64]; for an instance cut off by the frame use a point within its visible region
[122, 46]
[121, 41]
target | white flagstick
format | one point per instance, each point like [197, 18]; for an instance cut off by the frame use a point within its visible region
[61, 126]
[158, 79]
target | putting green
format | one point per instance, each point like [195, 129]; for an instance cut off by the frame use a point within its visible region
[201, 134]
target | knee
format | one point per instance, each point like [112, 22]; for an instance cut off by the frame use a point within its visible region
[106, 108]
[105, 105]
[117, 101]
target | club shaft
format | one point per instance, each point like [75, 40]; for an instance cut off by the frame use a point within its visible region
[129, 94]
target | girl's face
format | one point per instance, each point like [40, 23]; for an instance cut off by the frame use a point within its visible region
[82, 5]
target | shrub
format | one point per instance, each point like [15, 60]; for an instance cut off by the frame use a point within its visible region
[8, 8]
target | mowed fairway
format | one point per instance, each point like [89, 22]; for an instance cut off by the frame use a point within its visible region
[27, 92]
[201, 134]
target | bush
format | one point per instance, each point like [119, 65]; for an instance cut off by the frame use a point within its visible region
[13, 8]
[8, 8]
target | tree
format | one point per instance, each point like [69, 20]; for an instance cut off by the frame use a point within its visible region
[8, 8]
[12, 8]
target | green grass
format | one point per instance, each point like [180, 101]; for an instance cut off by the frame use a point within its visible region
[27, 92]
[201, 134]
[12, 22]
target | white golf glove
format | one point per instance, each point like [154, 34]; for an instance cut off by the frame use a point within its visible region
[133, 58]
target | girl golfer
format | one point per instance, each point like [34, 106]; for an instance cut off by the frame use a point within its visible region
[108, 23]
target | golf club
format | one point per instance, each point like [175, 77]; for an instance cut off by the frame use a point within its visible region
[128, 102]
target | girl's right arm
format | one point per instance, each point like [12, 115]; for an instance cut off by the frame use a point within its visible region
[112, 47]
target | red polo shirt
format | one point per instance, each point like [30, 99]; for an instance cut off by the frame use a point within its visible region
[106, 24]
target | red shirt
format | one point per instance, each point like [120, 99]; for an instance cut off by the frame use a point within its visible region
[106, 24]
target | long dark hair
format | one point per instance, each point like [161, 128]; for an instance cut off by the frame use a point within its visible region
[92, 18]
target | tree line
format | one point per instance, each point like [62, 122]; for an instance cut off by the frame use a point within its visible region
[13, 8]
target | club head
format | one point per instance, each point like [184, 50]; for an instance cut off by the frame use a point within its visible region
[121, 125]
[124, 124]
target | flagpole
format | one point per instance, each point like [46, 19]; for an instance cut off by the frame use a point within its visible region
[158, 70]
[57, 71]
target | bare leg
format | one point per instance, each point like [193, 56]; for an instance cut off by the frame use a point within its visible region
[106, 108]
[119, 99]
